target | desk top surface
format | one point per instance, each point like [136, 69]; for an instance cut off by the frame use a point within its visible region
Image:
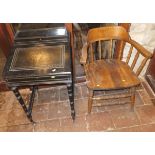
[39, 59]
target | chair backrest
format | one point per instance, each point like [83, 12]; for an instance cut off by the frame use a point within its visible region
[97, 36]
[105, 36]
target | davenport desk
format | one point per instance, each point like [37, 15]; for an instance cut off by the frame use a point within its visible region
[40, 57]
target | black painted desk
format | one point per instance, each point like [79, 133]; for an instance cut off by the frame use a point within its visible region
[40, 57]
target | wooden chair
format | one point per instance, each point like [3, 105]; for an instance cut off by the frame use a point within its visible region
[107, 73]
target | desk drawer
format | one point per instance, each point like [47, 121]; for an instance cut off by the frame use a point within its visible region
[54, 79]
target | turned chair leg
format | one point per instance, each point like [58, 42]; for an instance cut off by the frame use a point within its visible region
[90, 100]
[133, 91]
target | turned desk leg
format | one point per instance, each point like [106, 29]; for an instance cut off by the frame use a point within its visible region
[70, 88]
[22, 103]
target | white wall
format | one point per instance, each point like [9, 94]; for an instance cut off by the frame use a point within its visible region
[145, 35]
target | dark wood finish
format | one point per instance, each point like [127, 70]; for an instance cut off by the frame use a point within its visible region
[69, 27]
[40, 57]
[6, 42]
[3, 86]
[112, 74]
[10, 32]
[150, 73]
[5, 39]
[27, 110]
[70, 87]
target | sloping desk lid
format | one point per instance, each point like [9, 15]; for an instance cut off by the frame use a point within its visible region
[37, 61]
[32, 58]
[37, 52]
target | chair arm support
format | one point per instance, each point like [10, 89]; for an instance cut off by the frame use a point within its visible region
[83, 58]
[141, 49]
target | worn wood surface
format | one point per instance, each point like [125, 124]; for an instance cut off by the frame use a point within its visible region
[119, 46]
[107, 33]
[110, 34]
[110, 74]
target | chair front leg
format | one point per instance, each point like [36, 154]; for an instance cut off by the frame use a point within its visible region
[90, 100]
[133, 91]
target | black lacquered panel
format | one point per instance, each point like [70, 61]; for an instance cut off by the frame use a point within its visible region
[32, 58]
[46, 36]
[39, 56]
[28, 26]
[41, 33]
[37, 61]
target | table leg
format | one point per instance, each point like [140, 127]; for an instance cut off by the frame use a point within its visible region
[32, 99]
[70, 88]
[22, 103]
